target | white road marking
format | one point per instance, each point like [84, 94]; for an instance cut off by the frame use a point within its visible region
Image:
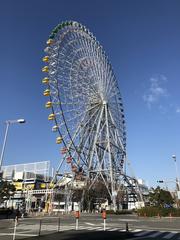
[137, 230]
[66, 228]
[99, 229]
[170, 235]
[88, 228]
[112, 229]
[155, 234]
[129, 220]
[141, 234]
[91, 224]
[18, 234]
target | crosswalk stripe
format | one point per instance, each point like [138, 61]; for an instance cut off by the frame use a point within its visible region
[88, 228]
[66, 228]
[141, 234]
[113, 229]
[137, 230]
[99, 229]
[170, 235]
[91, 224]
[18, 234]
[155, 234]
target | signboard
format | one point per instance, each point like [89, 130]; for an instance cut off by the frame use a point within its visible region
[18, 185]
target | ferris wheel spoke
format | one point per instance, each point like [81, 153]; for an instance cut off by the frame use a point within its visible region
[86, 125]
[88, 133]
[77, 132]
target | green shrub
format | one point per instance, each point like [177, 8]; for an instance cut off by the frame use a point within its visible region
[4, 211]
[119, 212]
[158, 211]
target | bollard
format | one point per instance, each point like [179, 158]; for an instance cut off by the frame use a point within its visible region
[77, 215]
[127, 227]
[104, 218]
[58, 224]
[40, 223]
[15, 225]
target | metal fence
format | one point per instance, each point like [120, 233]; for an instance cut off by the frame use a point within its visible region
[29, 170]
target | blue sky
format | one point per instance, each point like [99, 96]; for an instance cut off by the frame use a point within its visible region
[141, 38]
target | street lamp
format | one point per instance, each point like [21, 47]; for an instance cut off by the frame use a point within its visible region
[8, 122]
[177, 176]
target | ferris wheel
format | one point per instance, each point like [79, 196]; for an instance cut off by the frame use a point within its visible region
[86, 106]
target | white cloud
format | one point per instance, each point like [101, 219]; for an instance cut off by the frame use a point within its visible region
[178, 110]
[156, 90]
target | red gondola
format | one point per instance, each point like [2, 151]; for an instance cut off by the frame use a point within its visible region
[64, 150]
[69, 159]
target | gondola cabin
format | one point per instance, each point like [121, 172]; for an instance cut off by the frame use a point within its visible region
[69, 159]
[64, 150]
[59, 140]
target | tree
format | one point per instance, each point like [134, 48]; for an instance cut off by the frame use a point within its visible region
[97, 194]
[160, 197]
[6, 190]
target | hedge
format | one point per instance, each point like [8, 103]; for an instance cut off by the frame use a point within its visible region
[158, 211]
[119, 212]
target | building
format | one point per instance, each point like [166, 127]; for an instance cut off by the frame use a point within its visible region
[27, 178]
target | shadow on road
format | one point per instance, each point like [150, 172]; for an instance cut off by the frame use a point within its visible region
[88, 235]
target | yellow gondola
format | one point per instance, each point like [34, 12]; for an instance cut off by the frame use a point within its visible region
[48, 104]
[51, 116]
[46, 92]
[45, 80]
[49, 41]
[45, 59]
[59, 140]
[45, 69]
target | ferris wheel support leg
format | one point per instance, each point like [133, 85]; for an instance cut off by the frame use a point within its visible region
[113, 196]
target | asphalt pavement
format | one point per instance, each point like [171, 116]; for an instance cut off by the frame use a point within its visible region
[91, 226]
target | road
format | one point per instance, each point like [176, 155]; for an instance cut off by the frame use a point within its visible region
[149, 228]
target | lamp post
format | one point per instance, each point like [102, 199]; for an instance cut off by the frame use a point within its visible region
[8, 123]
[177, 175]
